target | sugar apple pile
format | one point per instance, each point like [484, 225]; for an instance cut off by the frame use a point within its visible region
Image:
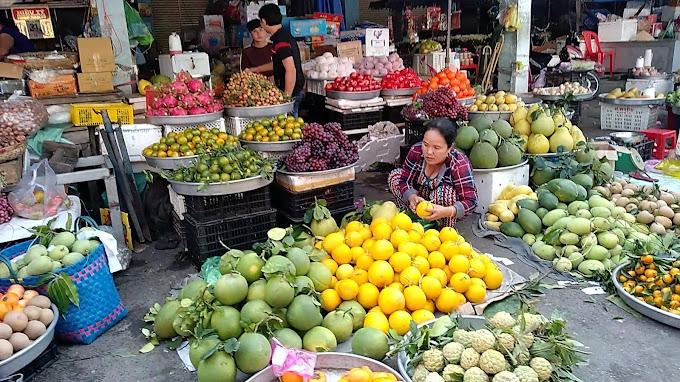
[483, 355]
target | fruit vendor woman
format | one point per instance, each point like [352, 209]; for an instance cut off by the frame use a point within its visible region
[435, 171]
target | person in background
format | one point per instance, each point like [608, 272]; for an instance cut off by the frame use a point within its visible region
[11, 40]
[435, 171]
[286, 60]
[259, 53]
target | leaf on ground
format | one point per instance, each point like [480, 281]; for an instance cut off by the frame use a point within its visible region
[146, 348]
[510, 304]
[618, 301]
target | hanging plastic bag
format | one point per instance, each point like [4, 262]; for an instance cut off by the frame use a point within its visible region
[137, 29]
[38, 196]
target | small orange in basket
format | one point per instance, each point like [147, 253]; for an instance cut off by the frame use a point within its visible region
[291, 377]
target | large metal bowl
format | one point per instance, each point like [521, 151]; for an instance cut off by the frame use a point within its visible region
[219, 188]
[332, 363]
[171, 163]
[353, 96]
[492, 115]
[184, 119]
[466, 101]
[259, 111]
[576, 97]
[650, 311]
[631, 101]
[281, 146]
[24, 357]
[466, 322]
[398, 92]
[484, 170]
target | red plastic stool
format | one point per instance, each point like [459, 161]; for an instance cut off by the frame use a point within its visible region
[664, 141]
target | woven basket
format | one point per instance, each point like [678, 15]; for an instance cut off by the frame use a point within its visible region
[12, 152]
[100, 306]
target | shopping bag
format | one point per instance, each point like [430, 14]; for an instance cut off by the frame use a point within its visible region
[38, 196]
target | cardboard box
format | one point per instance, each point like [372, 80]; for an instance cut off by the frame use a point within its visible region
[95, 82]
[64, 84]
[351, 49]
[96, 55]
[307, 27]
[11, 71]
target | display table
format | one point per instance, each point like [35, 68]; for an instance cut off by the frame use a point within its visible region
[19, 228]
[666, 54]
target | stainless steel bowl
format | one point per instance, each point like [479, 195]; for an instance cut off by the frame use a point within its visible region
[353, 96]
[220, 188]
[184, 119]
[24, 357]
[259, 111]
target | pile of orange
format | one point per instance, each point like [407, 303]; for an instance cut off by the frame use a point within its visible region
[449, 78]
[654, 281]
[15, 299]
[399, 272]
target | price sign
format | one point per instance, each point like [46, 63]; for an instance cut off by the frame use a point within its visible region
[377, 42]
[34, 22]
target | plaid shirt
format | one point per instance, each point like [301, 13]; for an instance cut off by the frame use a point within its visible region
[456, 172]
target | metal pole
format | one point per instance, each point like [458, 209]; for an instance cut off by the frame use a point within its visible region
[448, 35]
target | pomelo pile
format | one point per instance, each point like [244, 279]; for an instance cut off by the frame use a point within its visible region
[490, 144]
[545, 130]
[499, 101]
[400, 272]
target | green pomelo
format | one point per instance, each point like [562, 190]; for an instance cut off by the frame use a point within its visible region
[227, 322]
[250, 266]
[370, 342]
[509, 154]
[300, 259]
[321, 276]
[340, 323]
[489, 136]
[231, 289]
[319, 339]
[255, 311]
[278, 264]
[253, 354]
[483, 155]
[229, 260]
[278, 292]
[303, 313]
[219, 367]
[256, 290]
[543, 125]
[466, 137]
[356, 310]
[303, 283]
[288, 338]
[199, 347]
[481, 122]
[502, 128]
[304, 240]
[162, 325]
[193, 289]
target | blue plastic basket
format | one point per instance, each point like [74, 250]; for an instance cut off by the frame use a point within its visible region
[100, 306]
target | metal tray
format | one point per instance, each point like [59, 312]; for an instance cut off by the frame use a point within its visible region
[500, 168]
[259, 111]
[553, 98]
[184, 119]
[323, 173]
[632, 101]
[220, 188]
[627, 137]
[270, 146]
[493, 115]
[398, 92]
[334, 364]
[22, 358]
[171, 163]
[466, 322]
[353, 96]
[466, 101]
[652, 312]
[529, 100]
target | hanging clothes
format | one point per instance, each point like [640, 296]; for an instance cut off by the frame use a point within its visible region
[300, 8]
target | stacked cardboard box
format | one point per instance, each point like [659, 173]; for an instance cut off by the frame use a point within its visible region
[97, 64]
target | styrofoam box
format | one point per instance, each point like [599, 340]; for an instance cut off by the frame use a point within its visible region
[299, 183]
[384, 150]
[423, 64]
[137, 137]
[660, 85]
[615, 31]
[490, 184]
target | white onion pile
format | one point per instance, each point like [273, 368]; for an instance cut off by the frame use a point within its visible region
[19, 119]
[574, 88]
[6, 210]
[380, 66]
[328, 67]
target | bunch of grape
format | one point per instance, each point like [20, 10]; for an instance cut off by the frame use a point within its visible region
[322, 148]
[6, 210]
[440, 103]
[249, 89]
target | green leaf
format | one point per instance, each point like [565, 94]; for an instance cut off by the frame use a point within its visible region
[509, 304]
[231, 345]
[618, 301]
[147, 348]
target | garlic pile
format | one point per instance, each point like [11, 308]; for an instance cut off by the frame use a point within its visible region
[328, 67]
[574, 88]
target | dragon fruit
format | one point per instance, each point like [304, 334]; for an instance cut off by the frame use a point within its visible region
[179, 88]
[177, 111]
[188, 101]
[197, 110]
[204, 99]
[168, 101]
[195, 85]
[183, 76]
[214, 107]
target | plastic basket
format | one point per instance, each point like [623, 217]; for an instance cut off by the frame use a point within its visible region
[645, 149]
[316, 86]
[393, 114]
[413, 132]
[293, 205]
[354, 121]
[206, 239]
[208, 208]
[179, 226]
[627, 118]
[217, 124]
[137, 137]
[83, 114]
[234, 125]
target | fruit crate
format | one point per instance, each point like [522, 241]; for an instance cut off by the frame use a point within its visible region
[217, 124]
[354, 121]
[136, 138]
[644, 148]
[84, 114]
[627, 118]
[393, 114]
[234, 125]
[40, 363]
[180, 228]
[414, 132]
[207, 239]
[293, 205]
[208, 208]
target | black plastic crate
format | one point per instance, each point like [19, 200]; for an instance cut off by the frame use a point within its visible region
[180, 229]
[204, 239]
[353, 121]
[293, 205]
[414, 131]
[207, 208]
[645, 149]
[393, 114]
[403, 152]
[41, 363]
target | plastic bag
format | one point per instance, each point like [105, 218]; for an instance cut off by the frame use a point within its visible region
[137, 29]
[38, 196]
[670, 167]
[19, 119]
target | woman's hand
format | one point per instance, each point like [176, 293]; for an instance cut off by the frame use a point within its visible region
[413, 201]
[440, 212]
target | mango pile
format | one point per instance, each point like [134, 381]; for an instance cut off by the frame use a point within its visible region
[545, 130]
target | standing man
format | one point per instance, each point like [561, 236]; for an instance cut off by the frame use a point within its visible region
[288, 74]
[258, 56]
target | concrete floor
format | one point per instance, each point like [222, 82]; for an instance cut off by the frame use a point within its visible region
[623, 348]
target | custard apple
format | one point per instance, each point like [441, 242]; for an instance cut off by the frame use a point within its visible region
[526, 374]
[483, 340]
[469, 358]
[505, 343]
[475, 374]
[420, 373]
[526, 339]
[542, 367]
[453, 372]
[505, 376]
[523, 357]
[463, 337]
[434, 377]
[492, 362]
[433, 360]
[533, 322]
[502, 320]
[452, 351]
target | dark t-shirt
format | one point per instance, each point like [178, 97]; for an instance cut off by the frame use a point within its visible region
[253, 56]
[285, 46]
[21, 43]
